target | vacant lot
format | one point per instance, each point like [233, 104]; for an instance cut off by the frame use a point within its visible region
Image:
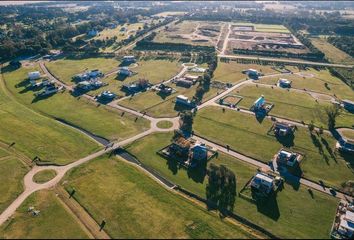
[100, 120]
[231, 72]
[245, 134]
[317, 80]
[312, 219]
[265, 27]
[135, 206]
[332, 53]
[53, 220]
[36, 135]
[292, 105]
[165, 14]
[121, 32]
[65, 69]
[44, 176]
[12, 172]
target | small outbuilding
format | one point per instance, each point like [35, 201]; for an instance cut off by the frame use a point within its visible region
[34, 75]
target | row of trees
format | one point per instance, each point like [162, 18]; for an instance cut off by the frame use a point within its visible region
[345, 43]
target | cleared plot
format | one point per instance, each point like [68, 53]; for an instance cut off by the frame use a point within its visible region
[36, 135]
[135, 206]
[162, 106]
[12, 172]
[65, 69]
[292, 105]
[332, 53]
[245, 134]
[265, 27]
[100, 120]
[231, 72]
[152, 69]
[121, 32]
[165, 14]
[191, 32]
[306, 218]
[53, 220]
[348, 134]
[316, 80]
[44, 176]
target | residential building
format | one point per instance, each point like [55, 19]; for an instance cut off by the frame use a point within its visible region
[124, 71]
[284, 83]
[183, 83]
[287, 158]
[129, 59]
[283, 129]
[345, 145]
[348, 105]
[259, 103]
[199, 152]
[183, 100]
[263, 184]
[34, 75]
[346, 225]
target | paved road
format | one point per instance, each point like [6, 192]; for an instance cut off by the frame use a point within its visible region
[286, 61]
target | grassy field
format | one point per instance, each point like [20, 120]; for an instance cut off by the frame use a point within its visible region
[3, 153]
[100, 120]
[265, 27]
[348, 134]
[232, 72]
[155, 70]
[316, 80]
[310, 220]
[12, 172]
[320, 163]
[52, 222]
[165, 124]
[65, 69]
[332, 53]
[36, 135]
[44, 176]
[130, 29]
[303, 106]
[165, 14]
[135, 206]
[160, 106]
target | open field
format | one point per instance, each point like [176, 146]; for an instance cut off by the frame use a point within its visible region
[332, 53]
[53, 220]
[121, 31]
[65, 69]
[231, 72]
[99, 120]
[36, 135]
[292, 105]
[264, 27]
[348, 134]
[135, 206]
[12, 172]
[161, 106]
[310, 220]
[155, 70]
[165, 14]
[320, 162]
[316, 80]
[3, 153]
[191, 32]
[44, 176]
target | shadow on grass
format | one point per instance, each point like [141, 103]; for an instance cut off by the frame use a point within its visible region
[268, 206]
[197, 174]
[286, 141]
[121, 77]
[41, 97]
[9, 68]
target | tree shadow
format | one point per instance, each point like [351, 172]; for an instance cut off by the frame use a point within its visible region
[173, 165]
[23, 83]
[329, 149]
[31, 88]
[292, 176]
[180, 108]
[9, 68]
[104, 100]
[317, 143]
[121, 77]
[198, 173]
[269, 206]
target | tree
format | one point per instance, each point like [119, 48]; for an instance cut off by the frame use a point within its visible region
[332, 112]
[221, 188]
[186, 121]
[311, 126]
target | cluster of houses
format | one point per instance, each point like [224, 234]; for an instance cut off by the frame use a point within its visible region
[190, 153]
[88, 80]
[343, 226]
[88, 75]
[163, 89]
[49, 86]
[186, 81]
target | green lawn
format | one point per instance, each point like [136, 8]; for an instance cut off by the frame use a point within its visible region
[36, 135]
[292, 105]
[165, 124]
[332, 53]
[252, 139]
[316, 81]
[231, 72]
[294, 215]
[52, 222]
[3, 153]
[65, 69]
[100, 120]
[135, 206]
[158, 106]
[44, 176]
[121, 35]
[12, 173]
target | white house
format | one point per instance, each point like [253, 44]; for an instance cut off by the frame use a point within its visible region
[183, 100]
[263, 183]
[124, 71]
[259, 103]
[129, 59]
[34, 75]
